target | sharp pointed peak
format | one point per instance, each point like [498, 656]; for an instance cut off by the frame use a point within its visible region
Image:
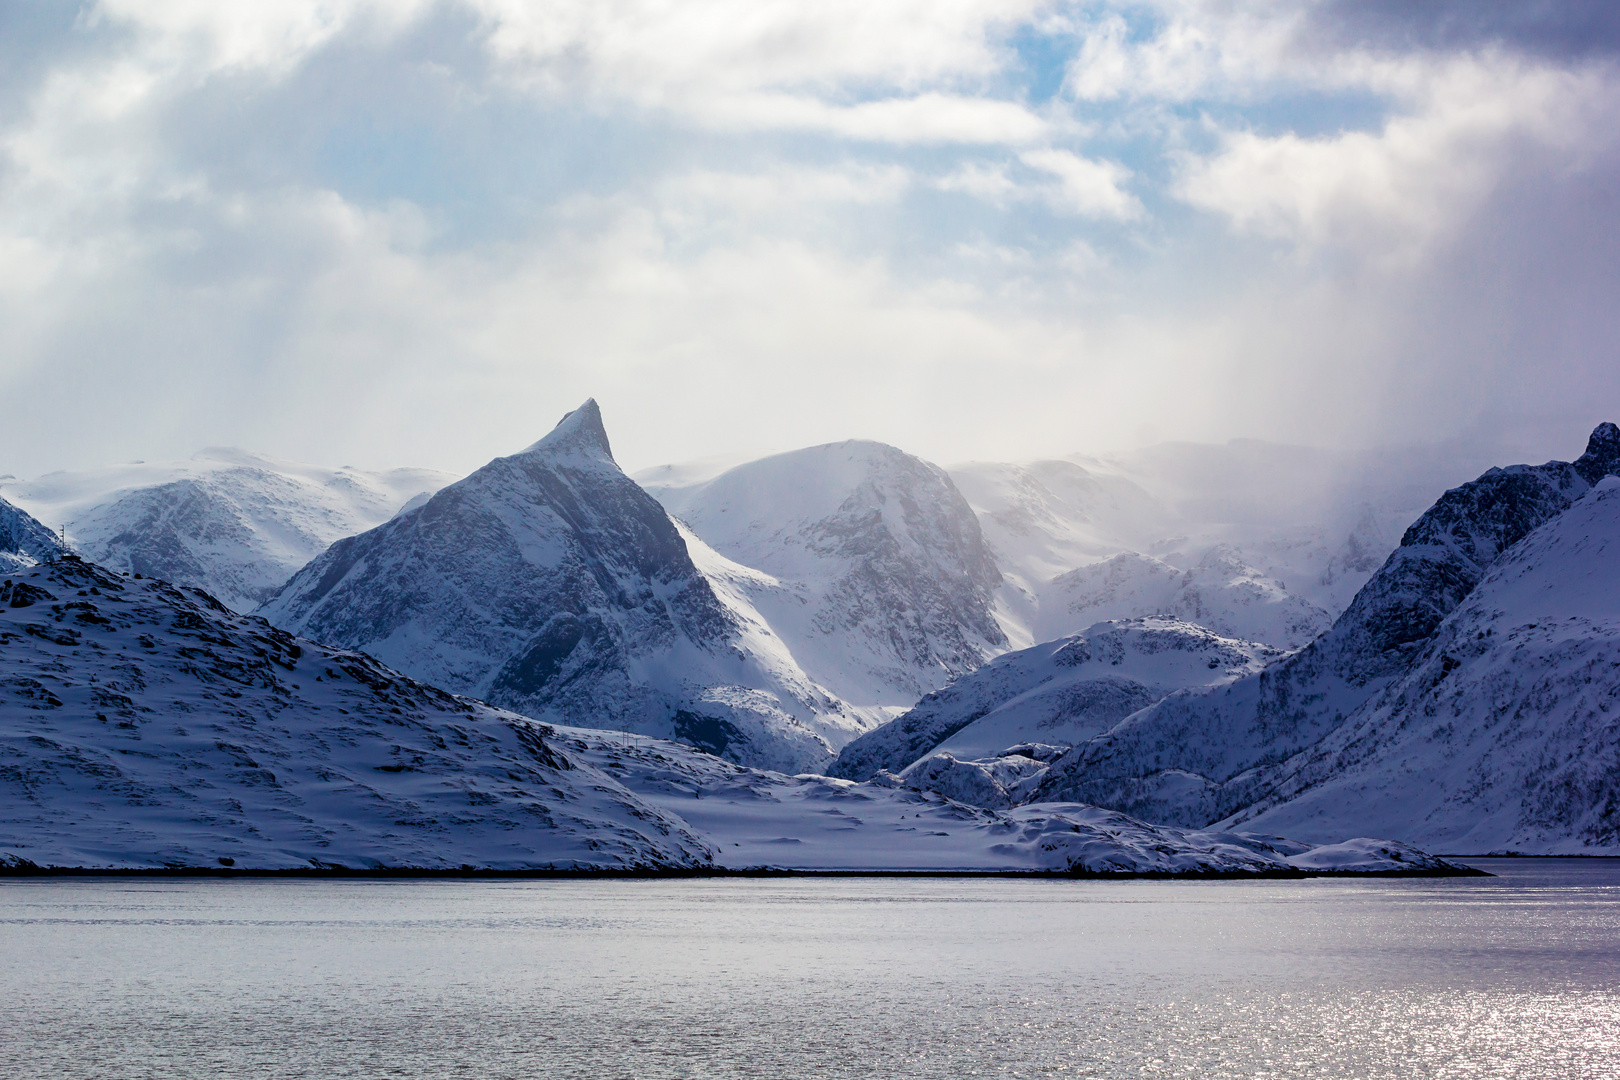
[1602, 457]
[580, 431]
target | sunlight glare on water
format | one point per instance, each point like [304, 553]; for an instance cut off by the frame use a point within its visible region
[1513, 976]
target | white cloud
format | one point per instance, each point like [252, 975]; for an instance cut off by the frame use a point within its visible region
[201, 37]
[164, 287]
[654, 49]
[1199, 48]
[990, 181]
[1086, 187]
[925, 118]
[900, 71]
[1390, 193]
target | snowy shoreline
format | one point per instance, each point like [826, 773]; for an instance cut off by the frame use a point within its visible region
[388, 873]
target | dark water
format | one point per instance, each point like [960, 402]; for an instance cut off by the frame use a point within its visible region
[1513, 976]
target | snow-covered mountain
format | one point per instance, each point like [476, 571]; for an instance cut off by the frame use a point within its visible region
[1044, 518]
[143, 725]
[872, 567]
[1246, 539]
[1197, 759]
[1504, 733]
[23, 540]
[1220, 591]
[233, 523]
[1319, 522]
[1055, 694]
[548, 582]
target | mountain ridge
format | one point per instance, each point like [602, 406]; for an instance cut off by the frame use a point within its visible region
[548, 582]
[145, 726]
[1198, 759]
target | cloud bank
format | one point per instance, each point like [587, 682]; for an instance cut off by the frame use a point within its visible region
[379, 233]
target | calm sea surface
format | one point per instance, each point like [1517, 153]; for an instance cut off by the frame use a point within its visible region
[1517, 975]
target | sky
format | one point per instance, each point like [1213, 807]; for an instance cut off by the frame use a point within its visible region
[415, 232]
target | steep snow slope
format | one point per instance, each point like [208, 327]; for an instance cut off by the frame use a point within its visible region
[873, 567]
[1196, 759]
[549, 583]
[233, 523]
[1504, 734]
[23, 540]
[143, 725]
[1058, 693]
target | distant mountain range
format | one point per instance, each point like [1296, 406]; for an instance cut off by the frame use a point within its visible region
[147, 726]
[1466, 700]
[233, 523]
[1193, 636]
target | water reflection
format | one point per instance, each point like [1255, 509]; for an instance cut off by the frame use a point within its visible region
[1510, 976]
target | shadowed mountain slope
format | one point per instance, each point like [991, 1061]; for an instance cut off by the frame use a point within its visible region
[1194, 759]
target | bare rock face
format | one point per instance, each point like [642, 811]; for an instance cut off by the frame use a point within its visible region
[1198, 759]
[548, 582]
